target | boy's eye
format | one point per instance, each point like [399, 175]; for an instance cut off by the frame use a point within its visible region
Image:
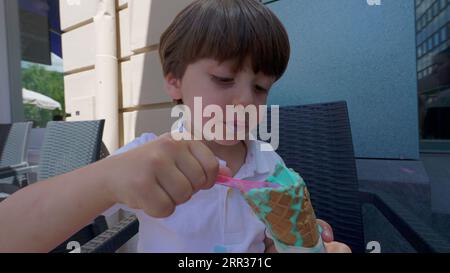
[260, 89]
[222, 80]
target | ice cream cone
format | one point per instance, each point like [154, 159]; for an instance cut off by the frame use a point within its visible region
[287, 211]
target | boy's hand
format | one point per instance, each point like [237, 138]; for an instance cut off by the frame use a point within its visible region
[327, 236]
[162, 174]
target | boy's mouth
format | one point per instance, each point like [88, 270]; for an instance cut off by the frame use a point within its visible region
[240, 124]
[237, 125]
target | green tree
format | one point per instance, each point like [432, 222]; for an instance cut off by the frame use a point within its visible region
[48, 83]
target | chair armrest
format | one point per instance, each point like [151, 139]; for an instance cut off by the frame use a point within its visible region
[11, 170]
[8, 172]
[418, 234]
[16, 166]
[112, 239]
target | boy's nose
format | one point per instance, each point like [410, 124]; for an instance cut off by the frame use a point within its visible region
[243, 97]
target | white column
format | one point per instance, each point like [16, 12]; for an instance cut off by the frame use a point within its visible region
[11, 108]
[106, 69]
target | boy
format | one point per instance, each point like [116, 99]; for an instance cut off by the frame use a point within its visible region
[227, 52]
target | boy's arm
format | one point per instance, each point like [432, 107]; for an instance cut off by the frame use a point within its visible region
[58, 207]
[154, 178]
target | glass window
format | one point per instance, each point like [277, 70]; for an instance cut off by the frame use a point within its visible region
[436, 39]
[443, 4]
[444, 34]
[430, 44]
[429, 15]
[435, 95]
[435, 9]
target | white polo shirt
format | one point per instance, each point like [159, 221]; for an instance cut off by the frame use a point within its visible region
[214, 220]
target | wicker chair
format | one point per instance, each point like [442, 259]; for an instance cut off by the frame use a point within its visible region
[13, 146]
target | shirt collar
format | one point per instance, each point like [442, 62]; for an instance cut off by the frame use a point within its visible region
[255, 163]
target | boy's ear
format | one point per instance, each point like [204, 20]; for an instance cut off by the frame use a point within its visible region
[173, 86]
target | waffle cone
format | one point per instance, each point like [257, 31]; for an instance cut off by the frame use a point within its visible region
[283, 208]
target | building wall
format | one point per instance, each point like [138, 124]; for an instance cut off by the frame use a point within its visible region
[11, 107]
[348, 50]
[5, 111]
[144, 106]
[433, 30]
[433, 72]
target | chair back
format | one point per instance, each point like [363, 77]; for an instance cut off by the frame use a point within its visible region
[69, 146]
[316, 141]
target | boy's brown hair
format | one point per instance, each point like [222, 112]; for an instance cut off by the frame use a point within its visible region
[225, 30]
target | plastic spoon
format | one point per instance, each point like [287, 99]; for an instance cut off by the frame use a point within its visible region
[244, 185]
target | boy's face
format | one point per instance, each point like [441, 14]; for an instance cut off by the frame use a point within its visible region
[217, 84]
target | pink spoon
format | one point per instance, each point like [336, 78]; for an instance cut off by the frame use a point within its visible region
[243, 185]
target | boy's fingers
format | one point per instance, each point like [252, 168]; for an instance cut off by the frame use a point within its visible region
[207, 160]
[223, 170]
[336, 247]
[192, 169]
[327, 231]
[159, 205]
[175, 184]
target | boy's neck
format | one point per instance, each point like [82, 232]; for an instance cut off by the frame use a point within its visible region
[234, 155]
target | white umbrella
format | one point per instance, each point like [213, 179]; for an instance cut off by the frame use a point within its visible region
[41, 101]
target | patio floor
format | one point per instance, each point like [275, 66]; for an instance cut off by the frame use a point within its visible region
[421, 186]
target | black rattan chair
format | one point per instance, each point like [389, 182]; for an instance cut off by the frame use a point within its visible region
[316, 141]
